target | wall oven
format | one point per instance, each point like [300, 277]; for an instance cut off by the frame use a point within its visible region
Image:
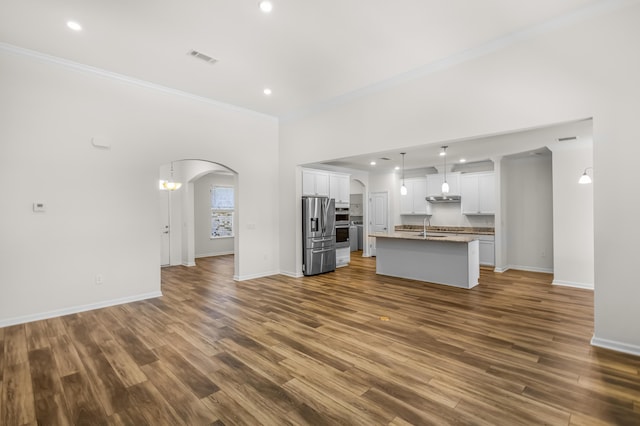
[342, 216]
[342, 227]
[342, 236]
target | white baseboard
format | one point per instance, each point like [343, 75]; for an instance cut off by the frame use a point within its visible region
[75, 309]
[188, 263]
[253, 276]
[524, 268]
[531, 269]
[292, 274]
[213, 254]
[616, 346]
[573, 284]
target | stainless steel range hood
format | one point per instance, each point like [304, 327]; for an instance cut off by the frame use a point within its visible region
[443, 199]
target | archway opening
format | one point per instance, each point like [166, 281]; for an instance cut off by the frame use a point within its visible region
[198, 219]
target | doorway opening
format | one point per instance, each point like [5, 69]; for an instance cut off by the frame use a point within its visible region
[199, 219]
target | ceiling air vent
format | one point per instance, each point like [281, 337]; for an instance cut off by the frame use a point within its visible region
[385, 158]
[568, 138]
[202, 56]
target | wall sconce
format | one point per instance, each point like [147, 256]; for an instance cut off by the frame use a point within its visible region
[585, 178]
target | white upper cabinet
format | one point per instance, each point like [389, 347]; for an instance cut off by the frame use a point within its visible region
[340, 188]
[315, 182]
[415, 201]
[434, 183]
[326, 184]
[478, 193]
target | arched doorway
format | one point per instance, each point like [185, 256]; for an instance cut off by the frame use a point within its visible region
[182, 237]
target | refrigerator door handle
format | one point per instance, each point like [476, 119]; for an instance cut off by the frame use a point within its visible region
[322, 250]
[321, 240]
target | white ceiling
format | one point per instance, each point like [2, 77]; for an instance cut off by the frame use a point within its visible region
[307, 52]
[515, 144]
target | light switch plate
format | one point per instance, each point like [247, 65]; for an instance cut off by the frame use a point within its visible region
[39, 207]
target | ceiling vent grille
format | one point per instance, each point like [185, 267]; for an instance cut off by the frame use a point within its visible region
[202, 56]
[568, 138]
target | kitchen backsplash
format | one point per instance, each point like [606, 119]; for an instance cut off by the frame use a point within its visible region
[450, 215]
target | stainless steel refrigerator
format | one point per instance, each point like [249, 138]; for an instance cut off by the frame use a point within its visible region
[318, 235]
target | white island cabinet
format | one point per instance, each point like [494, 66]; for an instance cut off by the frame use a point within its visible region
[444, 260]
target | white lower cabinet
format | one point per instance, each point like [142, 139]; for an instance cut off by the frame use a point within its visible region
[487, 250]
[343, 256]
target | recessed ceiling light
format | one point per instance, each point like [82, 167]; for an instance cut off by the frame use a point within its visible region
[266, 6]
[463, 160]
[74, 25]
[397, 167]
[373, 163]
[267, 91]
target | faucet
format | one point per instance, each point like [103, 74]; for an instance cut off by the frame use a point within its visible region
[424, 225]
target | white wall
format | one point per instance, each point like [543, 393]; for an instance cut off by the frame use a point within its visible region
[573, 208]
[528, 200]
[102, 213]
[204, 244]
[585, 67]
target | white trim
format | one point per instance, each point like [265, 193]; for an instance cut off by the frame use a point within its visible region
[501, 270]
[253, 276]
[124, 78]
[75, 309]
[213, 254]
[526, 269]
[292, 274]
[585, 286]
[616, 346]
[188, 264]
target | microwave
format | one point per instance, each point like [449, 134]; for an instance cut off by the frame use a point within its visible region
[342, 216]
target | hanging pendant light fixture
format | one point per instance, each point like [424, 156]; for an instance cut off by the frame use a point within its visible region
[585, 178]
[403, 189]
[171, 185]
[445, 185]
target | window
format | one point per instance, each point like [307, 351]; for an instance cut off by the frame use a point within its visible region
[222, 210]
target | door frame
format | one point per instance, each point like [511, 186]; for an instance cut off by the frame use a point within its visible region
[372, 240]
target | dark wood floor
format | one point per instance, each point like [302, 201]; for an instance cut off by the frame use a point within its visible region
[346, 348]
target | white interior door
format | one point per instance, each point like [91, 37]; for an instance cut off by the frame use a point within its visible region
[378, 215]
[165, 229]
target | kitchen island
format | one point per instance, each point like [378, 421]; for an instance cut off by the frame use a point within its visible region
[449, 260]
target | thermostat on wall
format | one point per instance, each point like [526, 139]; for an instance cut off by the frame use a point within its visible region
[38, 207]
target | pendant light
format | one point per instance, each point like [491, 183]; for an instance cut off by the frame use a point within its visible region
[445, 185]
[171, 185]
[585, 178]
[403, 189]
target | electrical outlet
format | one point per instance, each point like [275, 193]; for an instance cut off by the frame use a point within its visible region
[543, 253]
[99, 279]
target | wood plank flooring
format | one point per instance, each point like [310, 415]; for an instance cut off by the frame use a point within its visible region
[314, 350]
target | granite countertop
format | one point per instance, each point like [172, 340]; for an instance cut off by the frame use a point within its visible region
[414, 236]
[446, 229]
